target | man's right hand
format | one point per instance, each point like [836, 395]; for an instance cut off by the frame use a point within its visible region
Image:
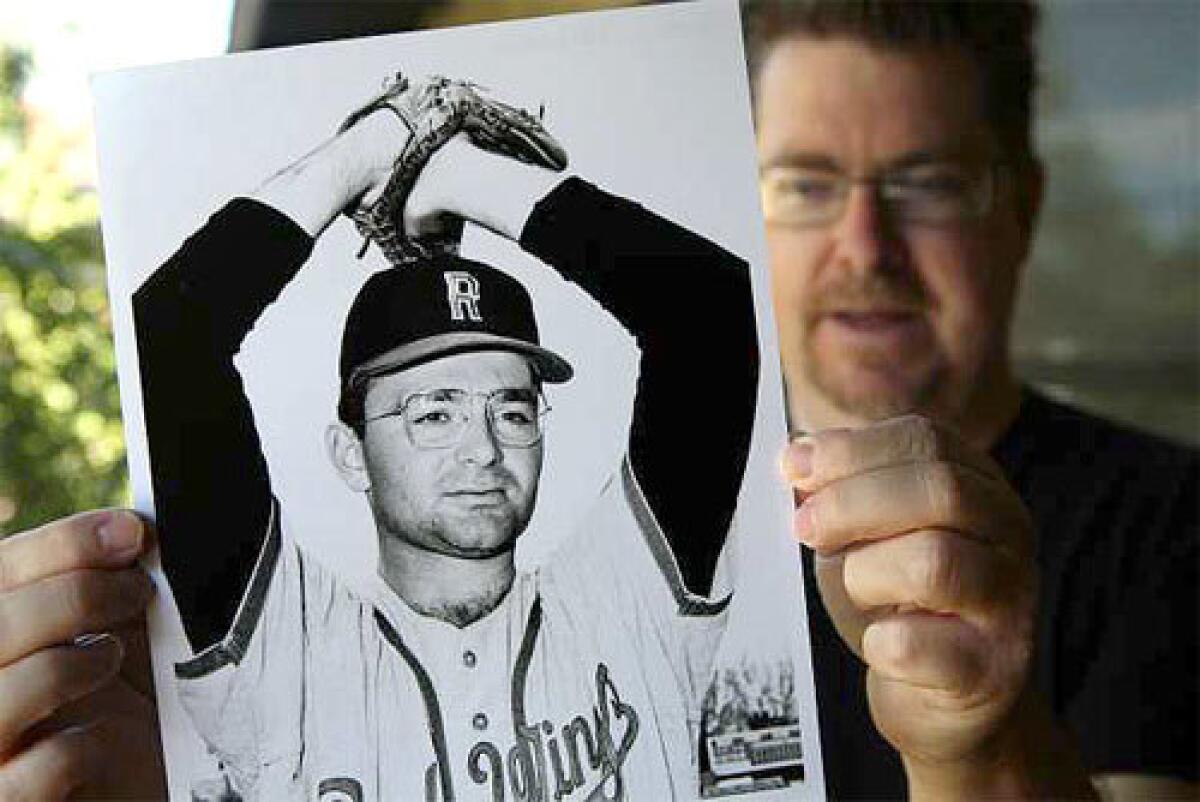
[77, 713]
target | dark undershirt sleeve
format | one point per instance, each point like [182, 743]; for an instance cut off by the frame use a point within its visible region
[688, 302]
[212, 493]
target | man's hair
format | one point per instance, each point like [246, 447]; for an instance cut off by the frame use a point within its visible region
[998, 37]
[350, 406]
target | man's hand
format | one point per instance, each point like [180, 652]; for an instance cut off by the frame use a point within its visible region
[77, 714]
[924, 558]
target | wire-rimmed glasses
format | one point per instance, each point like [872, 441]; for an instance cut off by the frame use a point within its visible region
[935, 193]
[438, 418]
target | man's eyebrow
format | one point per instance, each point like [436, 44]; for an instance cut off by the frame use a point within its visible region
[812, 160]
[801, 159]
[516, 394]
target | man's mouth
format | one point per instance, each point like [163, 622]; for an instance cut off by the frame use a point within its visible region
[892, 328]
[478, 494]
[879, 320]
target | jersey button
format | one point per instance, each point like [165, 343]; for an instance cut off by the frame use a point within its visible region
[469, 659]
[479, 721]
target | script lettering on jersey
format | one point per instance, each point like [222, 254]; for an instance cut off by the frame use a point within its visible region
[549, 762]
[462, 295]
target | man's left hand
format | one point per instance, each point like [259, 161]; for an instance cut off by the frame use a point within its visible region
[924, 558]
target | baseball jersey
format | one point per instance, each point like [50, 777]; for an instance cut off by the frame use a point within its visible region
[585, 682]
[582, 684]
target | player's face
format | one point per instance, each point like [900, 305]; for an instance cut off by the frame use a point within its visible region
[881, 316]
[469, 498]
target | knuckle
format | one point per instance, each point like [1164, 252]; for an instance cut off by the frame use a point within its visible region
[77, 596]
[55, 770]
[943, 491]
[75, 547]
[899, 646]
[826, 510]
[9, 575]
[834, 449]
[936, 570]
[15, 552]
[58, 546]
[922, 437]
[83, 598]
[55, 674]
[855, 578]
[6, 623]
[65, 762]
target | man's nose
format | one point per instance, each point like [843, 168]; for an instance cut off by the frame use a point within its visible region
[478, 445]
[866, 239]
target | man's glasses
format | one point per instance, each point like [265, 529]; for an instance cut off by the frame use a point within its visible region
[936, 193]
[439, 418]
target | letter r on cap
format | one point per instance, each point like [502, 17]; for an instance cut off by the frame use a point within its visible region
[462, 295]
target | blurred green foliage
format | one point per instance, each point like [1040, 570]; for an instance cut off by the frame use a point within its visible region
[61, 446]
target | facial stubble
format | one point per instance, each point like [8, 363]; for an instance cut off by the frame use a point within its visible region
[908, 387]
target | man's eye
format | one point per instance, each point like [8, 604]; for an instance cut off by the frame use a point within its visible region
[934, 184]
[517, 415]
[810, 189]
[432, 417]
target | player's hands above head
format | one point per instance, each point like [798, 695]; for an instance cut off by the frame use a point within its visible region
[76, 708]
[375, 160]
[924, 558]
[437, 111]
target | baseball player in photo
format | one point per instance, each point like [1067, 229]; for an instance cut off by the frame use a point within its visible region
[459, 676]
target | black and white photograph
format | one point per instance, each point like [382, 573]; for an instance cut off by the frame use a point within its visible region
[451, 386]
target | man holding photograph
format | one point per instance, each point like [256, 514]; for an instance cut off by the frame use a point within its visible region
[1085, 662]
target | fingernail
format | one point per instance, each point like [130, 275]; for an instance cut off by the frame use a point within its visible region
[803, 522]
[120, 534]
[798, 461]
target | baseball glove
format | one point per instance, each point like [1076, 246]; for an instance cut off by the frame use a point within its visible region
[434, 111]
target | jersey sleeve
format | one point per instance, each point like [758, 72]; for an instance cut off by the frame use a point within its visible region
[212, 492]
[246, 694]
[688, 304]
[233, 688]
[618, 569]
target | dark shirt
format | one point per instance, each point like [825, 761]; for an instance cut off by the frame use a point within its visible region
[1117, 549]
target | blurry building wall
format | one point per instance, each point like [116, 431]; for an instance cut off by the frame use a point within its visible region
[1110, 315]
[271, 23]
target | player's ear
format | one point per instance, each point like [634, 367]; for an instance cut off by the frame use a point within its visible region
[345, 451]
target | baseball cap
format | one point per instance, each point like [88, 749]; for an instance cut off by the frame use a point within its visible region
[404, 316]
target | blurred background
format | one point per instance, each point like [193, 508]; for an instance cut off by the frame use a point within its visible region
[1110, 314]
